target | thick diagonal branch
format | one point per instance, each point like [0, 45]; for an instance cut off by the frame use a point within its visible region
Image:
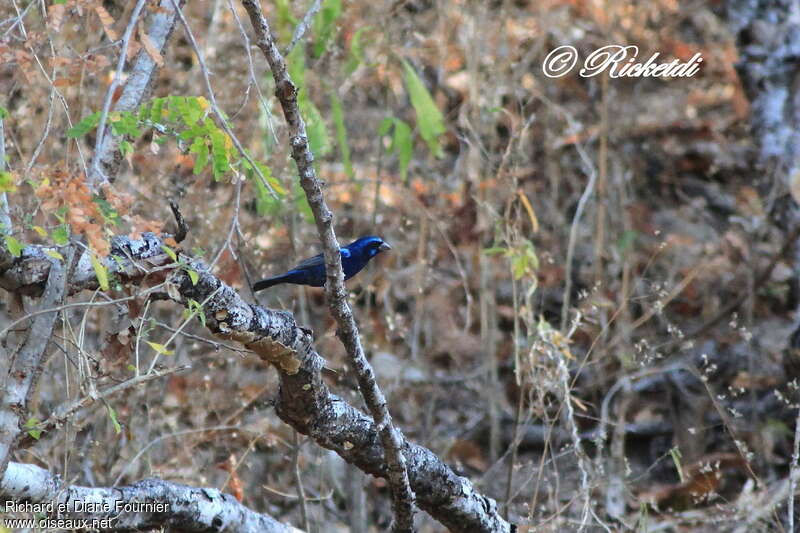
[285, 90]
[304, 400]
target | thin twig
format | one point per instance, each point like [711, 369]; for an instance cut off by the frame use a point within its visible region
[298, 479]
[62, 413]
[285, 90]
[302, 27]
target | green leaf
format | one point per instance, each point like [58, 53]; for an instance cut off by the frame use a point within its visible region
[403, 146]
[157, 110]
[429, 119]
[220, 158]
[60, 234]
[160, 348]
[54, 254]
[266, 204]
[325, 24]
[386, 125]
[84, 126]
[286, 21]
[110, 215]
[197, 309]
[318, 139]
[519, 265]
[273, 182]
[3, 113]
[193, 111]
[170, 252]
[296, 64]
[356, 55]
[112, 414]
[341, 134]
[7, 182]
[100, 271]
[194, 276]
[125, 148]
[14, 246]
[200, 148]
[30, 427]
[495, 250]
[126, 124]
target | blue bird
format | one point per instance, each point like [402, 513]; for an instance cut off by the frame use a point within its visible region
[355, 256]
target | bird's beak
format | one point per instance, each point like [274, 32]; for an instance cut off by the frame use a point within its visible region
[384, 246]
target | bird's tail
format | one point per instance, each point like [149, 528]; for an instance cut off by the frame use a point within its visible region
[268, 282]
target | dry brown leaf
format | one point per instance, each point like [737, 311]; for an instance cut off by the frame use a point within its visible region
[65, 82]
[150, 48]
[56, 15]
[107, 21]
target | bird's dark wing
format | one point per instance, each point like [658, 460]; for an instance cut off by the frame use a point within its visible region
[317, 260]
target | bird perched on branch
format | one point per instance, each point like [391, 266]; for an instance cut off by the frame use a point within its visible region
[355, 256]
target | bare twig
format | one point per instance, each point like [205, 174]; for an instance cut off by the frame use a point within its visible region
[62, 413]
[302, 27]
[285, 90]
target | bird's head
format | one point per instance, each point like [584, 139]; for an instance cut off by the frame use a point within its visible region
[369, 246]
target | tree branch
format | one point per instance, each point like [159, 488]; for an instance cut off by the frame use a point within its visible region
[107, 158]
[285, 90]
[154, 504]
[26, 364]
[304, 400]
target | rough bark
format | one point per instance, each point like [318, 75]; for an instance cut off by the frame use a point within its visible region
[26, 363]
[285, 90]
[188, 508]
[304, 400]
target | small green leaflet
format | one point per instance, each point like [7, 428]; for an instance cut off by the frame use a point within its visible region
[429, 119]
[54, 254]
[112, 414]
[7, 182]
[402, 146]
[170, 252]
[325, 24]
[30, 428]
[14, 246]
[100, 271]
[160, 348]
[60, 235]
[84, 126]
[193, 276]
[356, 55]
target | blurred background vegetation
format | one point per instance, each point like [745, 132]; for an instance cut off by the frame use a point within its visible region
[567, 355]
